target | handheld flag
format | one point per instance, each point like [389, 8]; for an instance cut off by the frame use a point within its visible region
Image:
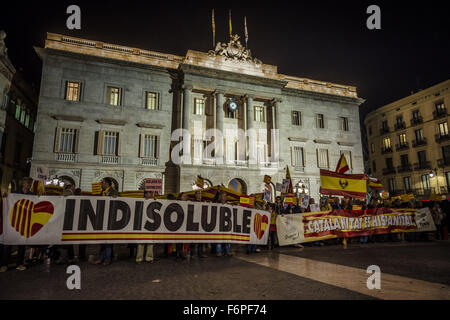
[200, 182]
[246, 201]
[375, 184]
[342, 166]
[347, 185]
[288, 176]
[96, 187]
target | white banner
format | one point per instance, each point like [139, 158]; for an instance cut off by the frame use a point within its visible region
[33, 220]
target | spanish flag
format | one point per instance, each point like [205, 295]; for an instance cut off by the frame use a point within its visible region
[375, 184]
[247, 201]
[290, 199]
[200, 182]
[347, 185]
[342, 166]
[231, 28]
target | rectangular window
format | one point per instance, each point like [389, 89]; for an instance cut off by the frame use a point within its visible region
[407, 183]
[440, 106]
[384, 125]
[416, 114]
[296, 118]
[404, 160]
[230, 151]
[443, 129]
[344, 123]
[67, 140]
[425, 181]
[322, 158]
[110, 143]
[387, 143]
[297, 157]
[422, 156]
[418, 134]
[372, 148]
[261, 153]
[151, 101]
[389, 163]
[259, 113]
[150, 145]
[73, 90]
[402, 139]
[320, 123]
[391, 184]
[199, 106]
[114, 96]
[399, 120]
[446, 154]
[22, 114]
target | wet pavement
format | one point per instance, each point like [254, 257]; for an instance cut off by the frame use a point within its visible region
[241, 277]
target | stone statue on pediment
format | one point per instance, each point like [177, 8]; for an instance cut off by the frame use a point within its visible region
[3, 49]
[233, 51]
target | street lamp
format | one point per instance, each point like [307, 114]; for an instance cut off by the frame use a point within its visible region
[432, 174]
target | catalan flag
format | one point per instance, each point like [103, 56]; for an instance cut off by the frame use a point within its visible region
[231, 28]
[96, 187]
[347, 185]
[132, 194]
[38, 188]
[200, 182]
[342, 166]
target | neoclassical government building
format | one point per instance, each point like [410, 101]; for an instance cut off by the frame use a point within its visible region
[107, 110]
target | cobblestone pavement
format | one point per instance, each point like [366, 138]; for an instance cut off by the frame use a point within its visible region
[230, 278]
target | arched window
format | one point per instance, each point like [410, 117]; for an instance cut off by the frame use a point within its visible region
[238, 185]
[206, 184]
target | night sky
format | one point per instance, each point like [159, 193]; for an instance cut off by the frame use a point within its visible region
[326, 41]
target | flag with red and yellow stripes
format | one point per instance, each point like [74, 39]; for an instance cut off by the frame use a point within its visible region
[342, 165]
[347, 185]
[247, 201]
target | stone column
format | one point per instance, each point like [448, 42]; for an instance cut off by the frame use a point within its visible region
[250, 112]
[219, 152]
[187, 91]
[275, 135]
[251, 133]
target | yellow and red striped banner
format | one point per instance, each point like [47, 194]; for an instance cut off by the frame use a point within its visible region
[247, 201]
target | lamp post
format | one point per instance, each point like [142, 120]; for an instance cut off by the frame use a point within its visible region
[432, 174]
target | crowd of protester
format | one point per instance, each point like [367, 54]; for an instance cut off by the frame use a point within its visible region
[65, 254]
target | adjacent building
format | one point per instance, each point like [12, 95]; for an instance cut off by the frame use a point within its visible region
[107, 110]
[18, 110]
[409, 142]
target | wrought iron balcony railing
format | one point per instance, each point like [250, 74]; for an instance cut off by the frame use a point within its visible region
[440, 113]
[439, 137]
[399, 125]
[402, 146]
[404, 168]
[419, 142]
[422, 165]
[389, 170]
[417, 120]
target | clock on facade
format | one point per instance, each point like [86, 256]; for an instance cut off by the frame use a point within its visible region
[232, 105]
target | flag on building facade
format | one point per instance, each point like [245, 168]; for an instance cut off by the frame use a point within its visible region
[213, 29]
[231, 28]
[246, 31]
[342, 165]
[347, 185]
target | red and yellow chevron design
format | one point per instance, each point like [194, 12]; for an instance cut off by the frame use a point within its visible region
[28, 218]
[260, 225]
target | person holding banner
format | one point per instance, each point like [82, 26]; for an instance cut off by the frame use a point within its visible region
[198, 246]
[226, 246]
[148, 248]
[106, 248]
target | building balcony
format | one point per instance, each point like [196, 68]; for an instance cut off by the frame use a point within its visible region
[404, 168]
[416, 121]
[443, 163]
[419, 142]
[399, 125]
[110, 159]
[402, 146]
[423, 192]
[66, 157]
[299, 168]
[153, 162]
[384, 130]
[390, 170]
[386, 150]
[241, 163]
[441, 137]
[208, 161]
[422, 165]
[440, 113]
